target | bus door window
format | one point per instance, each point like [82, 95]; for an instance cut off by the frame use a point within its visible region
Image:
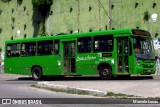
[69, 57]
[73, 63]
[126, 64]
[66, 51]
[66, 57]
[72, 49]
[119, 53]
[126, 47]
[119, 48]
[126, 55]
[120, 64]
[123, 54]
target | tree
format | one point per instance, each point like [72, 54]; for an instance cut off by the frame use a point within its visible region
[42, 5]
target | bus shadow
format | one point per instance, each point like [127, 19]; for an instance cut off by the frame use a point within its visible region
[96, 78]
[21, 79]
[82, 78]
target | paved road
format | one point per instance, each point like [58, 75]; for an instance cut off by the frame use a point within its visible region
[20, 88]
[23, 89]
[137, 86]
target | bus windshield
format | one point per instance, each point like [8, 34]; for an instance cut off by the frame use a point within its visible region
[144, 48]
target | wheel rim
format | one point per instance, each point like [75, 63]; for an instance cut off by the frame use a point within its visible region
[105, 72]
[36, 74]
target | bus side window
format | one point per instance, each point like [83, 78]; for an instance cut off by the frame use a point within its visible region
[84, 44]
[13, 50]
[45, 47]
[23, 53]
[29, 48]
[8, 53]
[56, 47]
[103, 43]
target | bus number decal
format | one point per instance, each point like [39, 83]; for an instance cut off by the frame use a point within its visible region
[107, 59]
[85, 58]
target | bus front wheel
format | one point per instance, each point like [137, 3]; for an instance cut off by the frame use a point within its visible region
[37, 73]
[105, 73]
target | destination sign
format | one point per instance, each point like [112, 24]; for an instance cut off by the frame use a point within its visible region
[140, 32]
[106, 54]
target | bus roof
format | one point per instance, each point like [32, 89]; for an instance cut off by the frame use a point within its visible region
[81, 34]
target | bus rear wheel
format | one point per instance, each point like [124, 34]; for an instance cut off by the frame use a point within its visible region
[37, 73]
[105, 73]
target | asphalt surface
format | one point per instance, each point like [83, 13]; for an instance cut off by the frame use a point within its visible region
[133, 87]
[143, 87]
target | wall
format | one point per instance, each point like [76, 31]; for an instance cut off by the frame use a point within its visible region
[69, 16]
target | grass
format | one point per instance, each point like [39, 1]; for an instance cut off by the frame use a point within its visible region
[61, 90]
[111, 94]
[72, 91]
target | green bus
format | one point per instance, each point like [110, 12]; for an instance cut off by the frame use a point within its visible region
[102, 53]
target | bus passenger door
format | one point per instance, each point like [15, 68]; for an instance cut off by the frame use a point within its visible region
[69, 57]
[122, 55]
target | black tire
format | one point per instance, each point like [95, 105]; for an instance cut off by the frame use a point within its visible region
[105, 73]
[37, 73]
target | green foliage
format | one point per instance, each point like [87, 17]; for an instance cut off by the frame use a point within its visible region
[42, 28]
[0, 11]
[39, 3]
[42, 5]
[13, 19]
[19, 2]
[0, 30]
[5, 1]
[146, 16]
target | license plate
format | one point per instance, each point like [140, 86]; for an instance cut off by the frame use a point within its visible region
[149, 71]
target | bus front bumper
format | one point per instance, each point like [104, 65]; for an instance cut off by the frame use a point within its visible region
[145, 71]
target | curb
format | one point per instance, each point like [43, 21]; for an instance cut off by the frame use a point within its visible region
[157, 76]
[63, 88]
